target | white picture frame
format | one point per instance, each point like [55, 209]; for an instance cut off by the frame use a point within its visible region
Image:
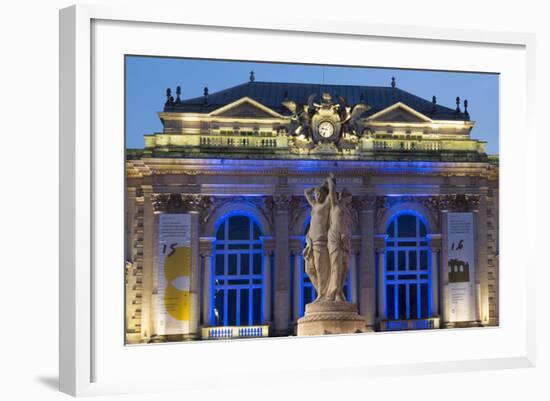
[91, 362]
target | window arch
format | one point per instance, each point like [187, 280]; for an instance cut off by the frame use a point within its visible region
[237, 287]
[307, 292]
[407, 277]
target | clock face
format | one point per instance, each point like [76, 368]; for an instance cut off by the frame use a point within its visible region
[326, 129]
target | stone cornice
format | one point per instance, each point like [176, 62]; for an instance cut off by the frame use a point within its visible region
[358, 168]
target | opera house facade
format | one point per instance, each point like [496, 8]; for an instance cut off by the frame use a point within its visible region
[216, 214]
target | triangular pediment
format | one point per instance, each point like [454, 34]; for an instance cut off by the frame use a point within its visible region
[399, 112]
[245, 108]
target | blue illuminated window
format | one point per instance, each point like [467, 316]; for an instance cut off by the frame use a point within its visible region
[407, 273]
[307, 292]
[237, 288]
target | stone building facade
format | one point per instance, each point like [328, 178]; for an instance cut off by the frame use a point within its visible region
[237, 163]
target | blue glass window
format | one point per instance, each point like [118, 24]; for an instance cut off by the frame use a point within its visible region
[407, 276]
[238, 273]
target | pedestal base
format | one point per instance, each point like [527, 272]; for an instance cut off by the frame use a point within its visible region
[327, 317]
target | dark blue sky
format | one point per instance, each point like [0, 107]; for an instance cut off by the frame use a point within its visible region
[148, 77]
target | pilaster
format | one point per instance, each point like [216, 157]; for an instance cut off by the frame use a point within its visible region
[282, 308]
[366, 274]
[206, 251]
[149, 271]
[435, 249]
[380, 244]
[481, 261]
[267, 250]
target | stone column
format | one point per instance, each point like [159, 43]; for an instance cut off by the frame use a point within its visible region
[435, 247]
[194, 204]
[366, 273]
[444, 276]
[129, 222]
[482, 282]
[282, 308]
[206, 244]
[434, 307]
[297, 282]
[353, 276]
[149, 271]
[267, 251]
[381, 251]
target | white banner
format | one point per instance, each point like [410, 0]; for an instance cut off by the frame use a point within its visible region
[174, 273]
[461, 267]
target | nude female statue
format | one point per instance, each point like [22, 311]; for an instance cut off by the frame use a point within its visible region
[316, 256]
[339, 240]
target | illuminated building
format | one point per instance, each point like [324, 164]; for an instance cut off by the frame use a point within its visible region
[237, 162]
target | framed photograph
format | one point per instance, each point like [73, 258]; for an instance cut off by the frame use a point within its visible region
[344, 187]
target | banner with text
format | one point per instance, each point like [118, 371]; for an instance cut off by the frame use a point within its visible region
[461, 267]
[174, 273]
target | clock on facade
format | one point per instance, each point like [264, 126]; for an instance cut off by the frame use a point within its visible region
[326, 129]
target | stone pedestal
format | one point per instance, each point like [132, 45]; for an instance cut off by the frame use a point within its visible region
[326, 317]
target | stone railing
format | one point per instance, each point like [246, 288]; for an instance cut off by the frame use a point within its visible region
[228, 332]
[421, 145]
[410, 324]
[405, 145]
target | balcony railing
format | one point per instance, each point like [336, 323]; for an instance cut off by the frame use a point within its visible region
[228, 332]
[410, 324]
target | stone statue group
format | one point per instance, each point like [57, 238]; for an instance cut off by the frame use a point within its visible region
[328, 241]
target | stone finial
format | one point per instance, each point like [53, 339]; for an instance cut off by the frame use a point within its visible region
[169, 98]
[457, 104]
[205, 93]
[393, 82]
[434, 104]
[466, 107]
[178, 94]
[252, 77]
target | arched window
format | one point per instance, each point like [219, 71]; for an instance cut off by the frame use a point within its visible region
[407, 276]
[238, 273]
[307, 292]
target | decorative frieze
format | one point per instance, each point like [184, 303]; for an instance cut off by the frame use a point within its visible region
[459, 203]
[281, 203]
[179, 203]
[365, 203]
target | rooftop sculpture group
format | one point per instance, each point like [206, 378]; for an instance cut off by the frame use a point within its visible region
[312, 119]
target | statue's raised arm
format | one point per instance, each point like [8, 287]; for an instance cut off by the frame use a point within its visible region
[308, 193]
[331, 181]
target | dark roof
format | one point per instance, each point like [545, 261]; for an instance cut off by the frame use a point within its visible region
[271, 94]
